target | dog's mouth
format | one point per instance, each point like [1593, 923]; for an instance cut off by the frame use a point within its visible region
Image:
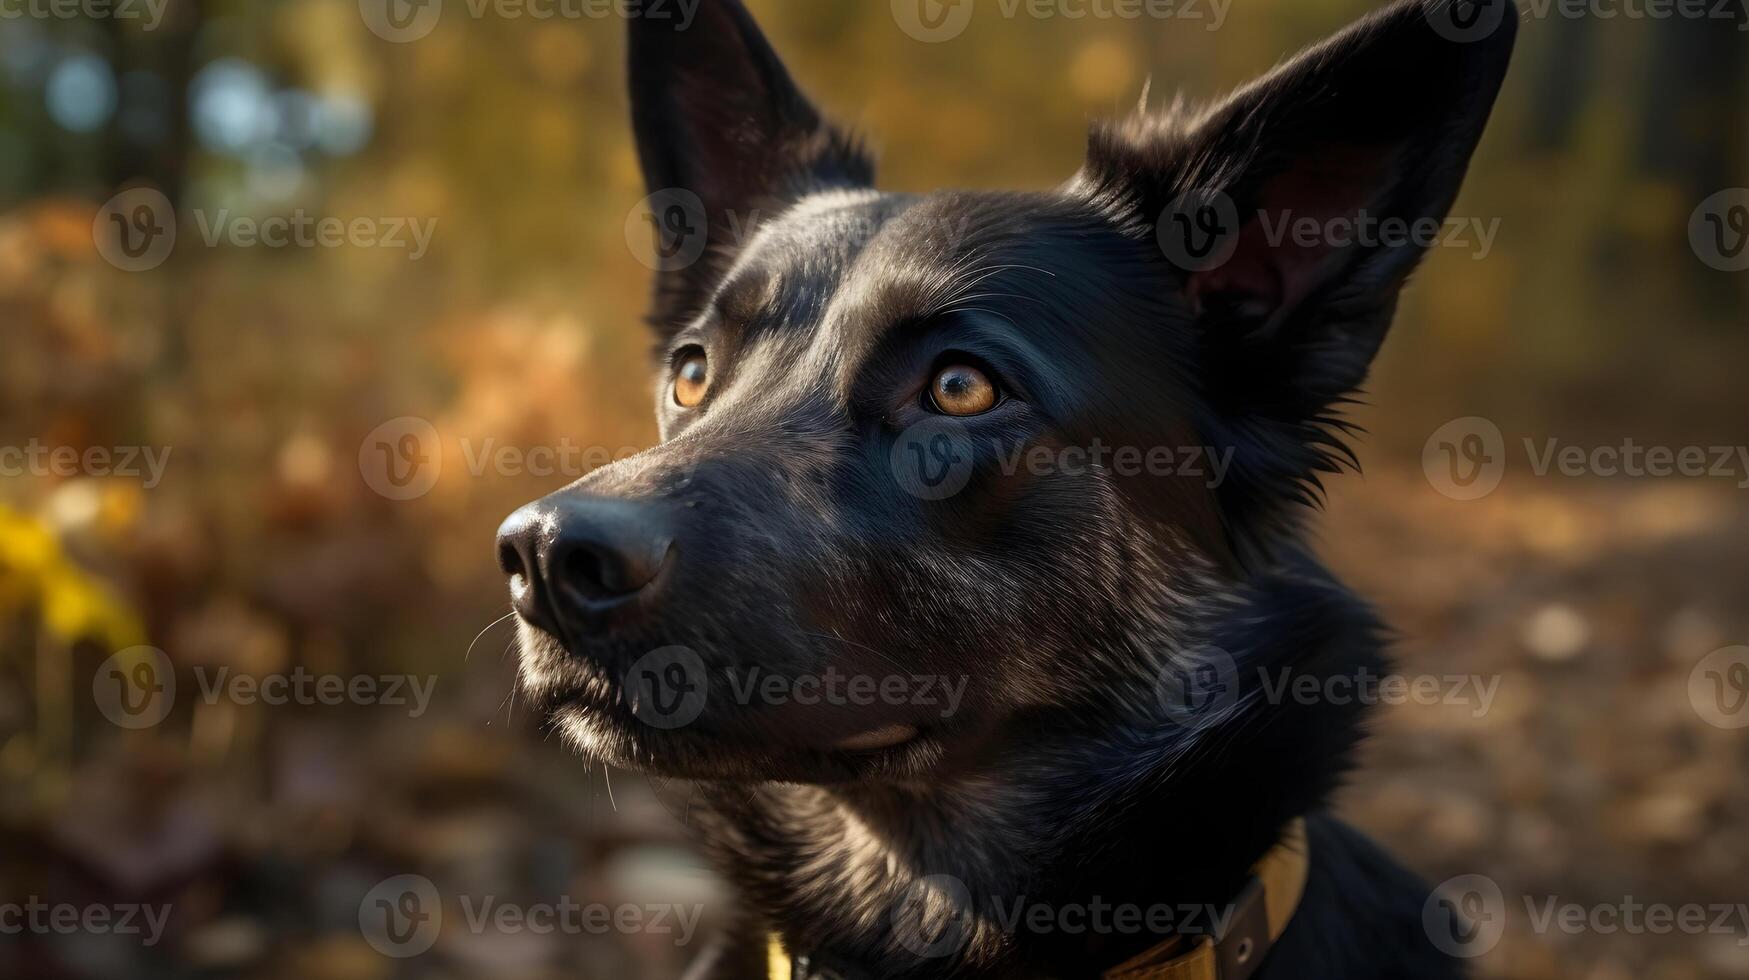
[895, 752]
[638, 722]
[875, 740]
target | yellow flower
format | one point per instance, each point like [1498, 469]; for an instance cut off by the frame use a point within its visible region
[27, 547]
[75, 605]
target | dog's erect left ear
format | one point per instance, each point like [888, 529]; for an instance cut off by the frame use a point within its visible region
[1293, 212]
[725, 138]
[1375, 124]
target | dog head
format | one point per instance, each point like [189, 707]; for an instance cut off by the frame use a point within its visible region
[935, 466]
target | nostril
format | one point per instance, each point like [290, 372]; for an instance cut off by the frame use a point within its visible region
[585, 571]
[517, 554]
[523, 596]
[510, 559]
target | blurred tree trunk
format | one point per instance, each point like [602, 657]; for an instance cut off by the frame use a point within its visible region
[1692, 122]
[1564, 86]
[1692, 115]
[156, 153]
[153, 70]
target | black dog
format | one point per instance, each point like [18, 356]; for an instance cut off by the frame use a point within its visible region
[972, 552]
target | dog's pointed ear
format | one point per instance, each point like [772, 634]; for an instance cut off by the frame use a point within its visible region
[724, 136]
[1292, 213]
[1305, 181]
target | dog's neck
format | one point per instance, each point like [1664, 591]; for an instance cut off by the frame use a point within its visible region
[1067, 809]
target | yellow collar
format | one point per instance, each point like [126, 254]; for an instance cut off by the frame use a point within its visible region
[1260, 915]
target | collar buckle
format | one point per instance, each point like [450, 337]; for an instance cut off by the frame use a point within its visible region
[1241, 947]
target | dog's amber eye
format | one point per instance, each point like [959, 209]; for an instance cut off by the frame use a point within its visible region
[960, 389]
[691, 378]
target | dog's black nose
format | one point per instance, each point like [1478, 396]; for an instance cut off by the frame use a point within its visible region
[572, 558]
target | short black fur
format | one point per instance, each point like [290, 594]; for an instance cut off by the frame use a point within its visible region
[775, 529]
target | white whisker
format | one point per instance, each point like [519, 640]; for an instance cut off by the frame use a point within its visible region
[483, 632]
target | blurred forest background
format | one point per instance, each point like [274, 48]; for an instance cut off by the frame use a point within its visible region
[264, 547]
